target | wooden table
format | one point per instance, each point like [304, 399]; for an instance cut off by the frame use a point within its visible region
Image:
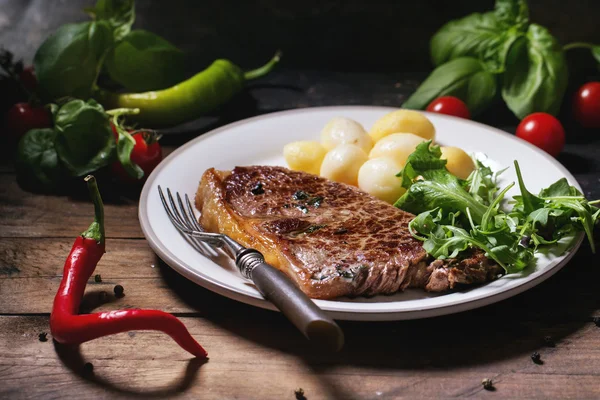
[257, 354]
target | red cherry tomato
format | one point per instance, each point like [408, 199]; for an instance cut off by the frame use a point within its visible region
[449, 105]
[22, 117]
[544, 131]
[146, 155]
[28, 79]
[586, 105]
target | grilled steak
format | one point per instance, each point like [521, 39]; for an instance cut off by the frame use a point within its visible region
[332, 239]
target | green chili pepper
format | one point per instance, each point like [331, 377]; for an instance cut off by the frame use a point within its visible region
[189, 99]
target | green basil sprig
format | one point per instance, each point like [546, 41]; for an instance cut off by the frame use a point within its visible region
[84, 139]
[69, 61]
[143, 61]
[465, 78]
[38, 165]
[524, 56]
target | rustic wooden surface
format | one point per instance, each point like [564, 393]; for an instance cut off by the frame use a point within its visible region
[257, 354]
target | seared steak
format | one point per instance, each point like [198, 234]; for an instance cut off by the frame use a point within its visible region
[332, 239]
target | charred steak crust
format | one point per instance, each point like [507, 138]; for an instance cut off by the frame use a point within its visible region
[332, 239]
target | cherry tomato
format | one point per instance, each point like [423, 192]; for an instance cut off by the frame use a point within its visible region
[28, 79]
[586, 105]
[22, 117]
[544, 131]
[449, 105]
[146, 155]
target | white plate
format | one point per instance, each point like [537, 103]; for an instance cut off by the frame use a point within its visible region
[259, 141]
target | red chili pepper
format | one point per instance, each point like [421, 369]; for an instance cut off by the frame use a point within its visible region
[70, 328]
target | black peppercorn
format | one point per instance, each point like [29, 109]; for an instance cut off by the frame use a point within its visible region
[88, 368]
[43, 337]
[536, 358]
[97, 278]
[299, 394]
[549, 342]
[119, 291]
[257, 189]
[487, 384]
[596, 320]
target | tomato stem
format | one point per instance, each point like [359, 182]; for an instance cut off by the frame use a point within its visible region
[265, 69]
[577, 45]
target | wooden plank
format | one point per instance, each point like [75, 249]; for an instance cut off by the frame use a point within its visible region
[30, 271]
[247, 363]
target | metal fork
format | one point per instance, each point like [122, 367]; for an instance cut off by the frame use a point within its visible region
[271, 283]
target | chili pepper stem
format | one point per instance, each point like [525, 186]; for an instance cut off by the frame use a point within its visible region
[265, 69]
[96, 229]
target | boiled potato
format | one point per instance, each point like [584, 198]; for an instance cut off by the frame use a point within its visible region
[345, 131]
[304, 156]
[342, 163]
[378, 178]
[458, 163]
[397, 146]
[403, 121]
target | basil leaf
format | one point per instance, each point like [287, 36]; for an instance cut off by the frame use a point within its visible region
[84, 140]
[536, 74]
[465, 78]
[120, 14]
[143, 61]
[481, 36]
[68, 61]
[37, 163]
[125, 146]
[512, 13]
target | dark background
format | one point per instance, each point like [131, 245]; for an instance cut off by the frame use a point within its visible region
[354, 35]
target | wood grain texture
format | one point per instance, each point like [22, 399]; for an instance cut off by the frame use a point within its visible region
[254, 366]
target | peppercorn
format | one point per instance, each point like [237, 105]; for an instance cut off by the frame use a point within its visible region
[596, 320]
[299, 394]
[97, 278]
[549, 342]
[43, 337]
[119, 291]
[257, 189]
[88, 368]
[487, 384]
[536, 358]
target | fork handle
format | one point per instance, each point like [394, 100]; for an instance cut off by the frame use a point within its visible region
[291, 301]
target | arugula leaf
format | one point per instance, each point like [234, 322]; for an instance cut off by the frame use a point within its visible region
[536, 74]
[528, 201]
[120, 14]
[464, 77]
[429, 185]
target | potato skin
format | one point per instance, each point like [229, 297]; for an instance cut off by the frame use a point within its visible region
[342, 130]
[459, 163]
[378, 178]
[408, 121]
[397, 146]
[306, 156]
[342, 164]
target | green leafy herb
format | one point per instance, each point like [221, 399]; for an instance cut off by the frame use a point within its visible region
[37, 163]
[454, 216]
[69, 60]
[126, 142]
[512, 13]
[464, 77]
[536, 74]
[143, 61]
[481, 36]
[84, 139]
[429, 185]
[120, 14]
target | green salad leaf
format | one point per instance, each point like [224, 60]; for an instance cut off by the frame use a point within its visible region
[120, 14]
[453, 216]
[37, 163]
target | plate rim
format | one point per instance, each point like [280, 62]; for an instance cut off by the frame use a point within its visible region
[223, 289]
